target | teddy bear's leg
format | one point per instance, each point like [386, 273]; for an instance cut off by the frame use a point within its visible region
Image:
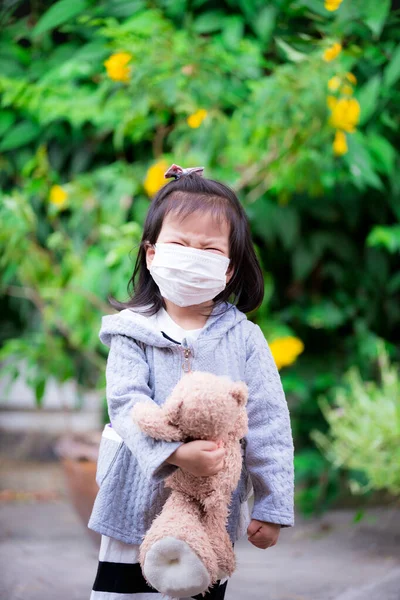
[214, 524]
[176, 556]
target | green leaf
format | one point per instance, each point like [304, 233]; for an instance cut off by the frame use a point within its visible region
[392, 71]
[59, 13]
[360, 514]
[315, 6]
[264, 23]
[388, 237]
[20, 135]
[368, 98]
[360, 163]
[40, 386]
[233, 31]
[7, 118]
[394, 284]
[303, 262]
[290, 53]
[377, 12]
[209, 22]
[325, 315]
[383, 153]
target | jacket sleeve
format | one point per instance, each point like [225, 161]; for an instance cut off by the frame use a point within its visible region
[269, 449]
[127, 376]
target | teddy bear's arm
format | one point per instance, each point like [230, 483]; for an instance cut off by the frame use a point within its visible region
[153, 420]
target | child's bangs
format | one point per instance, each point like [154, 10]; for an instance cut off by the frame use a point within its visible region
[183, 204]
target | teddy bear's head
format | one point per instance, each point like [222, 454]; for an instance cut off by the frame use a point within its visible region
[207, 406]
[201, 406]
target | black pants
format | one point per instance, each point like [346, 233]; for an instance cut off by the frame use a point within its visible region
[119, 573]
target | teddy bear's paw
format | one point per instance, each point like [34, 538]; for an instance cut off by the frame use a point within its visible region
[173, 568]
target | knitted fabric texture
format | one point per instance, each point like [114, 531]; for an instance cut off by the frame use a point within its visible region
[142, 365]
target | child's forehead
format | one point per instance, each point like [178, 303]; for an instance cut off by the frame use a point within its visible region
[198, 222]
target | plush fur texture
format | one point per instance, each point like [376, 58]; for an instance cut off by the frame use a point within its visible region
[202, 406]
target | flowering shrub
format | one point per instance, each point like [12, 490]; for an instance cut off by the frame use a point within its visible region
[293, 104]
[364, 422]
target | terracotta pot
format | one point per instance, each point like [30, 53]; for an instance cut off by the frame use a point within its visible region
[78, 454]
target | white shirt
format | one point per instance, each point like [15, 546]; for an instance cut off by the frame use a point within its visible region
[167, 325]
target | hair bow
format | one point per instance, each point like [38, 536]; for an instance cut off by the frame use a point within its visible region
[176, 171]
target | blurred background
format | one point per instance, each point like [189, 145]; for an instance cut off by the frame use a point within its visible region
[293, 103]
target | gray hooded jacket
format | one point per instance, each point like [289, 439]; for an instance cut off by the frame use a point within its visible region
[142, 364]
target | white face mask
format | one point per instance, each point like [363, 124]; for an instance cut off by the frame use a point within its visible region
[188, 276]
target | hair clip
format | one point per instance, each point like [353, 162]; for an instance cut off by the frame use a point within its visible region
[176, 171]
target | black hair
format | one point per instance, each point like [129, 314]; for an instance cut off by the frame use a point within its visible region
[184, 196]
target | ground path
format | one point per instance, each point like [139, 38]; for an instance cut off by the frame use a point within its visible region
[46, 555]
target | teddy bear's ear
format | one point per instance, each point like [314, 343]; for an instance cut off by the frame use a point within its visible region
[240, 392]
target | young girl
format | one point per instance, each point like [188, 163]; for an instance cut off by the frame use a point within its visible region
[195, 277]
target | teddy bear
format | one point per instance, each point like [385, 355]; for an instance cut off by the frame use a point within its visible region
[187, 548]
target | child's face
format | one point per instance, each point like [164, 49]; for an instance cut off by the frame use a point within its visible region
[198, 230]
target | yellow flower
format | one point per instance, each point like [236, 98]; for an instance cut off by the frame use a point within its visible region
[58, 196]
[345, 114]
[332, 4]
[340, 143]
[347, 90]
[352, 78]
[155, 178]
[332, 52]
[285, 350]
[331, 102]
[196, 119]
[116, 66]
[334, 83]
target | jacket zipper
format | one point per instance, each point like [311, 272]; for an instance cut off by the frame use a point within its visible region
[186, 366]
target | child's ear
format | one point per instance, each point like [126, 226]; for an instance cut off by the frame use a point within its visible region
[229, 274]
[150, 252]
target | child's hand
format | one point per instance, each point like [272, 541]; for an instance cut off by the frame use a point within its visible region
[263, 535]
[201, 457]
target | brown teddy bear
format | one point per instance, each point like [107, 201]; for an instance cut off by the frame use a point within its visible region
[187, 548]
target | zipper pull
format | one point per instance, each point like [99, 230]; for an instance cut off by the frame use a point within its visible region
[186, 357]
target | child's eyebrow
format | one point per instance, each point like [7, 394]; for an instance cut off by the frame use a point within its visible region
[205, 242]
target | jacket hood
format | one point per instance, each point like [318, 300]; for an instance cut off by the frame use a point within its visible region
[137, 326]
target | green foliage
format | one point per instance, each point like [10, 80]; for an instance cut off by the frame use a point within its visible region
[365, 427]
[388, 237]
[66, 264]
[326, 227]
[316, 483]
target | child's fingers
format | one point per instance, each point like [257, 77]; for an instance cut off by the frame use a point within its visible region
[256, 536]
[216, 456]
[260, 541]
[208, 446]
[253, 528]
[260, 546]
[219, 454]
